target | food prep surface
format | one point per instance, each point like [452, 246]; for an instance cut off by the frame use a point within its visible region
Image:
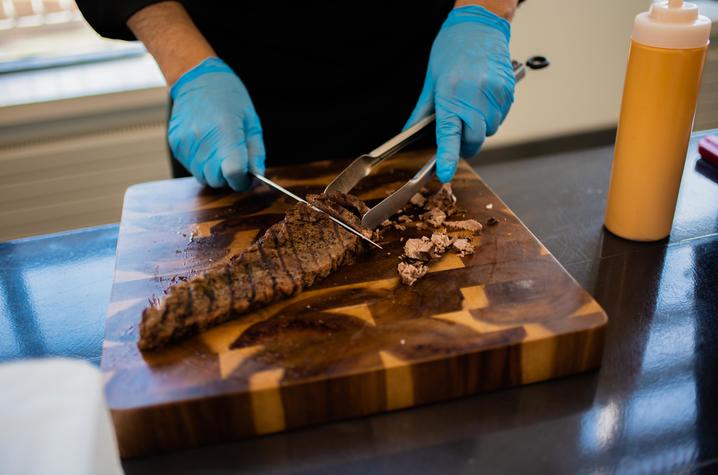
[660, 350]
[357, 342]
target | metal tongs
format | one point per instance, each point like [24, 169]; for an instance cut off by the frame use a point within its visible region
[362, 166]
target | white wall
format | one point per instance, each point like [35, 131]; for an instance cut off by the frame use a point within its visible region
[587, 43]
[118, 138]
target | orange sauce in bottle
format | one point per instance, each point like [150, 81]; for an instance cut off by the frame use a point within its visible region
[659, 102]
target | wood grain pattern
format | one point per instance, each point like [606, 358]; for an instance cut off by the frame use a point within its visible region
[357, 343]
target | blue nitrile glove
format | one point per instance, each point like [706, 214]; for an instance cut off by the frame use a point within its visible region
[214, 130]
[469, 84]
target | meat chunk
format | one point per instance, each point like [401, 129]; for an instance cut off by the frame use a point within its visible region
[443, 199]
[462, 246]
[293, 254]
[411, 272]
[465, 225]
[419, 249]
[434, 217]
[441, 242]
[418, 200]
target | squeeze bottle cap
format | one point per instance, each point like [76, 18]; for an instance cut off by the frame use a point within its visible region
[672, 24]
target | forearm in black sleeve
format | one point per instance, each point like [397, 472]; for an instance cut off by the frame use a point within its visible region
[109, 17]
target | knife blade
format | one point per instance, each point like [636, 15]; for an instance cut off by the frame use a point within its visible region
[281, 189]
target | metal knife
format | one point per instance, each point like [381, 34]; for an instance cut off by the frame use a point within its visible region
[281, 189]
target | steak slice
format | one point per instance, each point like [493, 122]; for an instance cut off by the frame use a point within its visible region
[350, 202]
[332, 206]
[293, 254]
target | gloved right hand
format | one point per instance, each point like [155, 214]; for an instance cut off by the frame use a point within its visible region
[214, 130]
[469, 83]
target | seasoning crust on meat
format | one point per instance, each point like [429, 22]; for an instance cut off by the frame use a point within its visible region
[293, 254]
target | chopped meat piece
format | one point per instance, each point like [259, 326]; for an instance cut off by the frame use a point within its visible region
[441, 241]
[386, 223]
[417, 252]
[405, 219]
[400, 227]
[443, 199]
[434, 217]
[418, 200]
[410, 273]
[303, 248]
[419, 249]
[492, 221]
[465, 225]
[463, 246]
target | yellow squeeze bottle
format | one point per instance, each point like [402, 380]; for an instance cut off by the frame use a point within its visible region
[665, 62]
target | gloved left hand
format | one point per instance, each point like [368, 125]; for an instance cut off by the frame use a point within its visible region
[469, 84]
[214, 130]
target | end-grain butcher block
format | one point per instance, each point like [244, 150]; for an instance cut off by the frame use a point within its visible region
[357, 341]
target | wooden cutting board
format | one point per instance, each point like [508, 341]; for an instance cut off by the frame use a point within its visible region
[357, 343]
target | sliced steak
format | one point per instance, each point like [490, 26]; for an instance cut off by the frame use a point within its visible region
[350, 202]
[291, 255]
[335, 209]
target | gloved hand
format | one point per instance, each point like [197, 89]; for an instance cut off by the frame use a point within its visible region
[469, 84]
[214, 130]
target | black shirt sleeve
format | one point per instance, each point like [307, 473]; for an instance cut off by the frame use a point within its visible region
[109, 17]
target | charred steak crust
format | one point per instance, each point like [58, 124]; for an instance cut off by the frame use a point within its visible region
[292, 255]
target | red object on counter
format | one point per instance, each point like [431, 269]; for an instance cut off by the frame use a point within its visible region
[708, 148]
